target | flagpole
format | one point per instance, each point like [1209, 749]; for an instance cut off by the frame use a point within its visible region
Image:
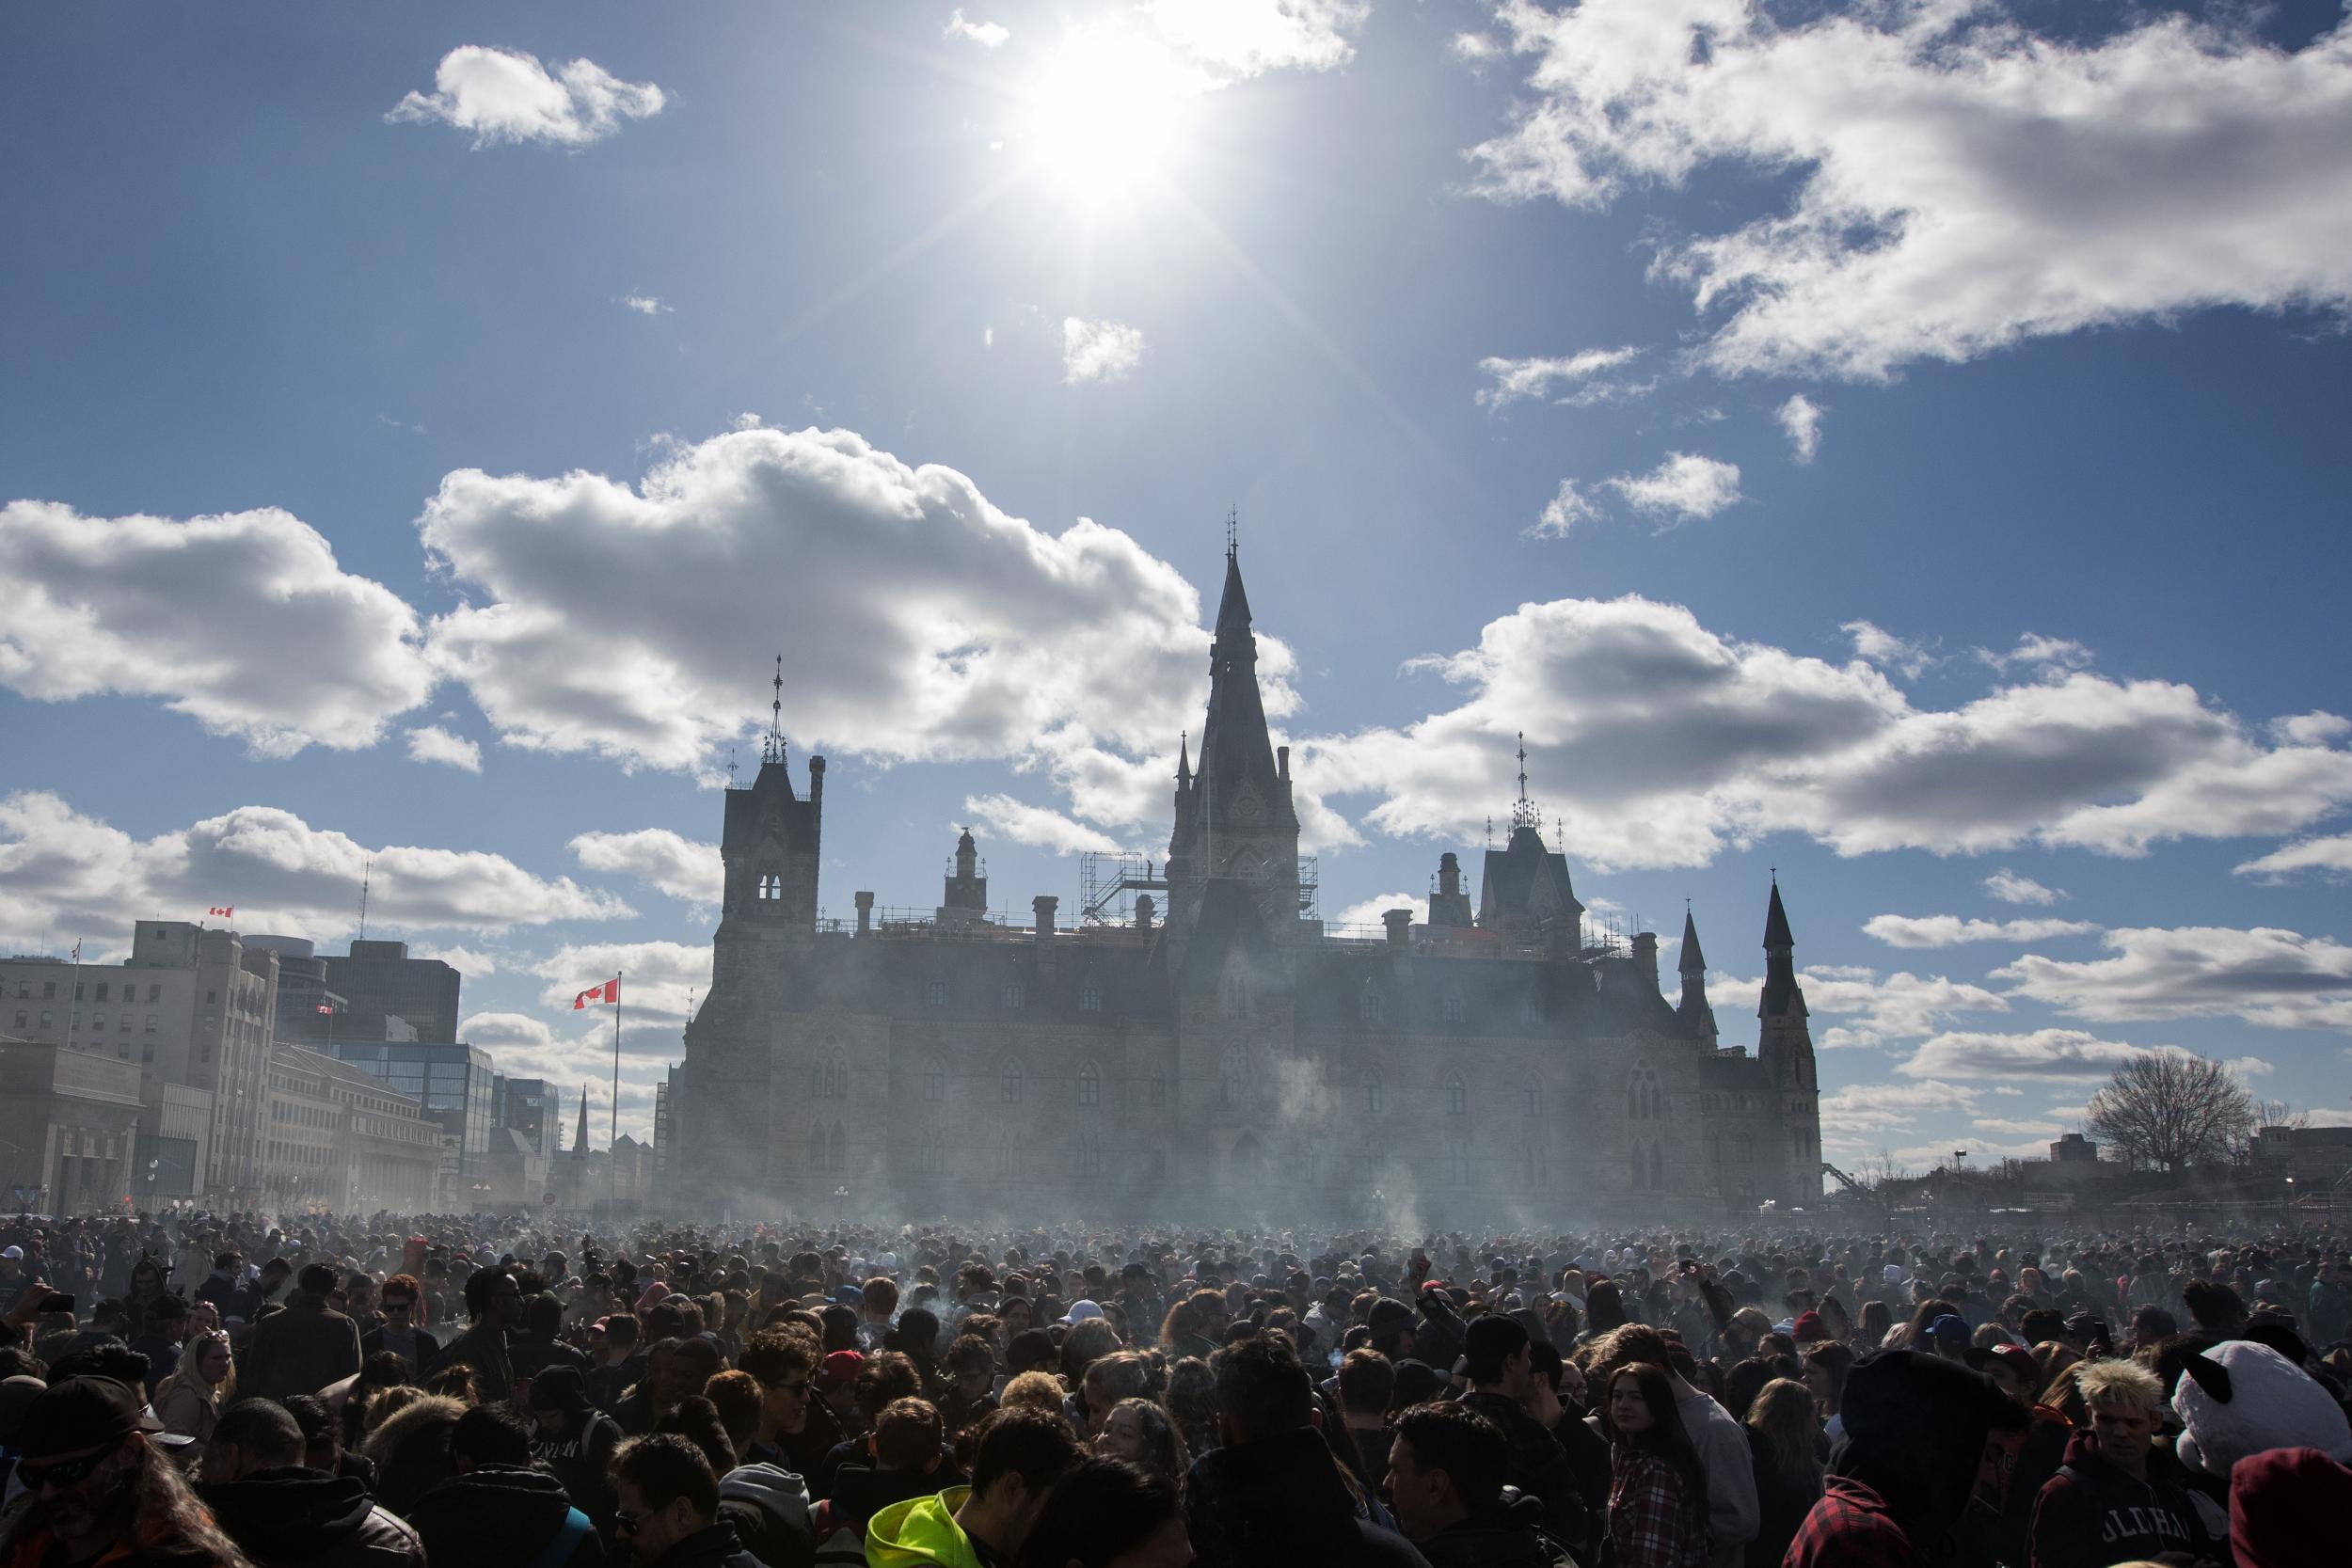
[611, 1161]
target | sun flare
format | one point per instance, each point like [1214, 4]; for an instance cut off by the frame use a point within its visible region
[1106, 113]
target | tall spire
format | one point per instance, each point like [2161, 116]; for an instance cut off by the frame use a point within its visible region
[1781, 993]
[771, 747]
[580, 1139]
[1777, 922]
[1233, 608]
[1697, 1015]
[1523, 813]
[1184, 758]
[1694, 961]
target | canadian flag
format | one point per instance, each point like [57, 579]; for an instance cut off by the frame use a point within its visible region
[226, 911]
[608, 992]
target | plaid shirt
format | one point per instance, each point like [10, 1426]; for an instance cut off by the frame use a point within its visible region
[1850, 1528]
[1653, 1522]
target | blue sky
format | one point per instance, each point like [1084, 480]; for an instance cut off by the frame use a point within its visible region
[1904, 450]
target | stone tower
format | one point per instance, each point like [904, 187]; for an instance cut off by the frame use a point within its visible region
[1697, 1016]
[1234, 813]
[1785, 1045]
[770, 845]
[1449, 905]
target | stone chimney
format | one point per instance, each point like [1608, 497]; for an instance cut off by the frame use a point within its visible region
[1400, 925]
[1045, 904]
[1646, 957]
[1283, 763]
[1145, 910]
[865, 913]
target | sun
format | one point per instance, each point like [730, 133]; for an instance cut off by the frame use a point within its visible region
[1106, 114]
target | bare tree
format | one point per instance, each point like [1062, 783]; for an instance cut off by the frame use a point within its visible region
[2170, 1110]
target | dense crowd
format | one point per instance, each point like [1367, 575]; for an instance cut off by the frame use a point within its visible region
[211, 1391]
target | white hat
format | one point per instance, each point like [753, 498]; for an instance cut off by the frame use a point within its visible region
[1894, 1273]
[1080, 1311]
[15, 1252]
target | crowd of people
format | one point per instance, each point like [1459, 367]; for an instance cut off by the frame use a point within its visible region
[204, 1390]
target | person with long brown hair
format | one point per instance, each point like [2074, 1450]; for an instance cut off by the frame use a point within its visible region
[97, 1489]
[1784, 1440]
[1658, 1487]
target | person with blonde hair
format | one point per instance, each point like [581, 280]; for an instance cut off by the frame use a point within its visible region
[1034, 1391]
[2103, 1507]
[189, 1402]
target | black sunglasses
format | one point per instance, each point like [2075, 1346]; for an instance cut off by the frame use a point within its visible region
[624, 1522]
[61, 1472]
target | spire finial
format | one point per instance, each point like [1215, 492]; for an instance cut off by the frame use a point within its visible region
[1233, 531]
[1523, 813]
[771, 748]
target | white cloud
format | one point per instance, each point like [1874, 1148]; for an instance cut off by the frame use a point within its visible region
[1098, 351]
[2049, 655]
[646, 305]
[916, 621]
[1661, 741]
[659, 980]
[1515, 379]
[2331, 857]
[2311, 729]
[505, 95]
[432, 743]
[1247, 38]
[1566, 509]
[1023, 823]
[497, 1031]
[2276, 978]
[1875, 1012]
[679, 866]
[1887, 651]
[1950, 930]
[1684, 485]
[1868, 1109]
[473, 962]
[2010, 888]
[1959, 182]
[242, 621]
[1368, 911]
[1476, 48]
[2040, 1053]
[988, 35]
[1801, 422]
[60, 870]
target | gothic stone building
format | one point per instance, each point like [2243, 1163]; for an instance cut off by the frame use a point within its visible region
[1231, 1059]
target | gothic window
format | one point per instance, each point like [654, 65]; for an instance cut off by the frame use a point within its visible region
[772, 886]
[935, 1080]
[1531, 1010]
[1089, 1085]
[1010, 996]
[1642, 1100]
[930, 1159]
[1236, 1000]
[1089, 1156]
[1090, 998]
[935, 995]
[1534, 1093]
[1229, 1079]
[1376, 1098]
[1744, 1147]
[1456, 1095]
[1014, 1083]
[1457, 1163]
[1456, 1009]
[1371, 1007]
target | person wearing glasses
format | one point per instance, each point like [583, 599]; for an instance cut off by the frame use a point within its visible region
[668, 1515]
[785, 1363]
[398, 1328]
[98, 1490]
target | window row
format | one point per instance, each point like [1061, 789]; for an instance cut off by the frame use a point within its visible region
[1012, 995]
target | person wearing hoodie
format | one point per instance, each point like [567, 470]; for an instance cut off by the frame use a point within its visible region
[1922, 1434]
[669, 1513]
[1021, 1454]
[1445, 1468]
[770, 1509]
[1733, 1513]
[572, 1441]
[495, 1511]
[282, 1516]
[2102, 1506]
[302, 1348]
[410, 1450]
[1273, 1493]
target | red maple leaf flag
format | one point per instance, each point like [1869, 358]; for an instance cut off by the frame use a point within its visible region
[609, 991]
[225, 912]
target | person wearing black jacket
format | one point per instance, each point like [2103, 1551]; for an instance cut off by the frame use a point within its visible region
[574, 1441]
[2103, 1506]
[280, 1514]
[1498, 1361]
[495, 1303]
[496, 1511]
[1445, 1470]
[536, 1348]
[669, 1513]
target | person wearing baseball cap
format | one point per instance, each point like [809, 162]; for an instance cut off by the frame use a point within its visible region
[98, 1490]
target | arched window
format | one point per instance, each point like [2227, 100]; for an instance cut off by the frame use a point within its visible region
[1230, 1073]
[935, 1080]
[1014, 1083]
[1376, 1098]
[1235, 998]
[1534, 1094]
[1456, 1009]
[1642, 1101]
[772, 886]
[1089, 1085]
[1371, 1007]
[1456, 1095]
[1532, 1008]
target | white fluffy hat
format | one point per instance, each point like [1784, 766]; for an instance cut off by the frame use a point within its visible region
[2240, 1398]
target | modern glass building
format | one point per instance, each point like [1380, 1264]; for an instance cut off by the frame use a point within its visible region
[452, 1081]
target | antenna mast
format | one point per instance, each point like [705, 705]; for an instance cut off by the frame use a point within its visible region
[367, 871]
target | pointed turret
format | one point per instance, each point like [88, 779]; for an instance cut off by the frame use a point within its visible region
[1697, 1014]
[1233, 611]
[1776, 922]
[964, 898]
[1781, 993]
[580, 1139]
[1183, 759]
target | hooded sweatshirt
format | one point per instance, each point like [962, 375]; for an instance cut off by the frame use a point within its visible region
[2092, 1513]
[498, 1517]
[286, 1516]
[769, 1507]
[923, 1530]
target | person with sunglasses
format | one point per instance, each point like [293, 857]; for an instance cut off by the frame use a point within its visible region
[785, 1362]
[99, 1492]
[668, 1515]
[397, 1327]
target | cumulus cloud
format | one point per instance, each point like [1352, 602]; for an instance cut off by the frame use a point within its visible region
[646, 305]
[1887, 651]
[916, 621]
[2040, 1053]
[505, 95]
[473, 962]
[2331, 857]
[1950, 930]
[2278, 979]
[2011, 888]
[2035, 652]
[1683, 487]
[1873, 1011]
[1661, 741]
[1247, 37]
[988, 35]
[61, 870]
[1098, 351]
[1368, 911]
[1566, 509]
[1959, 182]
[679, 866]
[1515, 379]
[1023, 823]
[1869, 1109]
[243, 620]
[432, 743]
[1801, 422]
